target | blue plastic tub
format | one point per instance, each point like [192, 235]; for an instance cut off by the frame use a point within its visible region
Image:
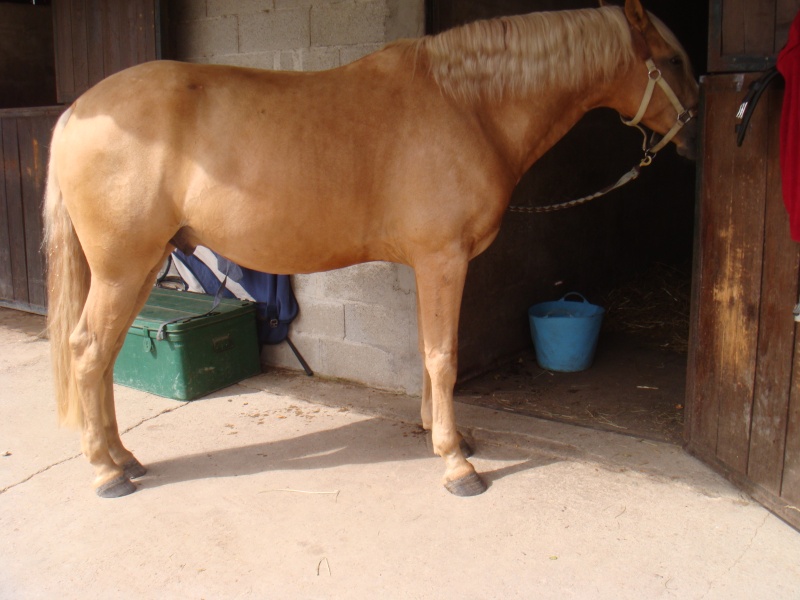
[565, 333]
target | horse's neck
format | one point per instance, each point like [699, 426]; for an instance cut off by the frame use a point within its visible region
[524, 129]
[528, 95]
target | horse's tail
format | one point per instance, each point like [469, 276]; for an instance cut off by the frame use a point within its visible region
[67, 287]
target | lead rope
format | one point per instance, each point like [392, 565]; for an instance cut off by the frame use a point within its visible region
[684, 116]
[646, 160]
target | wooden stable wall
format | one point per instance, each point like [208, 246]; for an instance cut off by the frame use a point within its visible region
[24, 144]
[745, 35]
[27, 72]
[95, 38]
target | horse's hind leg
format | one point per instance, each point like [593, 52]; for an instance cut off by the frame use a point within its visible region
[110, 307]
[123, 457]
[440, 284]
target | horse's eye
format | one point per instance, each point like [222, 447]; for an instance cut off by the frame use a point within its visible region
[676, 61]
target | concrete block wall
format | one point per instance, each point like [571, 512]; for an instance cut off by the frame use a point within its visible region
[357, 323]
[299, 35]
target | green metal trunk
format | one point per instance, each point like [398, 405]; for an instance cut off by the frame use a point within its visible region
[198, 354]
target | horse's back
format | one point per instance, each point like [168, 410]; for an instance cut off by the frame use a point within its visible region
[336, 158]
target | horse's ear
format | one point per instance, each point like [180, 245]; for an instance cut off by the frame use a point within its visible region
[639, 23]
[637, 16]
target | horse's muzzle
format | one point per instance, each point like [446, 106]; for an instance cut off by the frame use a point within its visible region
[687, 140]
[688, 150]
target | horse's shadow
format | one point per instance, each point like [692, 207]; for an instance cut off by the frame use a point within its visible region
[369, 441]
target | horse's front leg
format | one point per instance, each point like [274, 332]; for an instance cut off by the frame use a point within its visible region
[426, 405]
[440, 284]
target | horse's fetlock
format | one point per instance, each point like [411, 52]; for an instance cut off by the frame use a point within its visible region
[445, 443]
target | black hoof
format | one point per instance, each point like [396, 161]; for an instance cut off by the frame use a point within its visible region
[134, 469]
[121, 486]
[469, 485]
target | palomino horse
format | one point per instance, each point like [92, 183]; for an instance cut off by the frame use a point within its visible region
[407, 155]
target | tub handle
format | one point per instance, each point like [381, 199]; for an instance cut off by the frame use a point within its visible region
[581, 296]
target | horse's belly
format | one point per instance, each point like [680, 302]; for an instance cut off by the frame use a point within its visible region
[290, 255]
[276, 241]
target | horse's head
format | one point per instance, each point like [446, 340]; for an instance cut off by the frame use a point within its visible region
[660, 90]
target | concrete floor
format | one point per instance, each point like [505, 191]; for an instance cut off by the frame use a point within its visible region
[290, 487]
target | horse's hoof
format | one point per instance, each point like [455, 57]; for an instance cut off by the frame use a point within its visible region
[121, 486]
[469, 485]
[134, 469]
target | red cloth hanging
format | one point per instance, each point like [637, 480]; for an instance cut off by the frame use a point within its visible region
[789, 66]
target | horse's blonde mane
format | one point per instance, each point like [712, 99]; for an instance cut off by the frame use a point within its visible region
[517, 55]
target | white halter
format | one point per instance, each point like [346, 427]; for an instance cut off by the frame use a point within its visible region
[684, 115]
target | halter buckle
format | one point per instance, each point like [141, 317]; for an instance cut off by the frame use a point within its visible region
[686, 116]
[654, 73]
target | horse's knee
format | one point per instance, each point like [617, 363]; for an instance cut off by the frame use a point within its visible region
[441, 366]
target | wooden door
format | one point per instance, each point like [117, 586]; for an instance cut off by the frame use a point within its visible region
[95, 38]
[24, 144]
[743, 395]
[743, 380]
